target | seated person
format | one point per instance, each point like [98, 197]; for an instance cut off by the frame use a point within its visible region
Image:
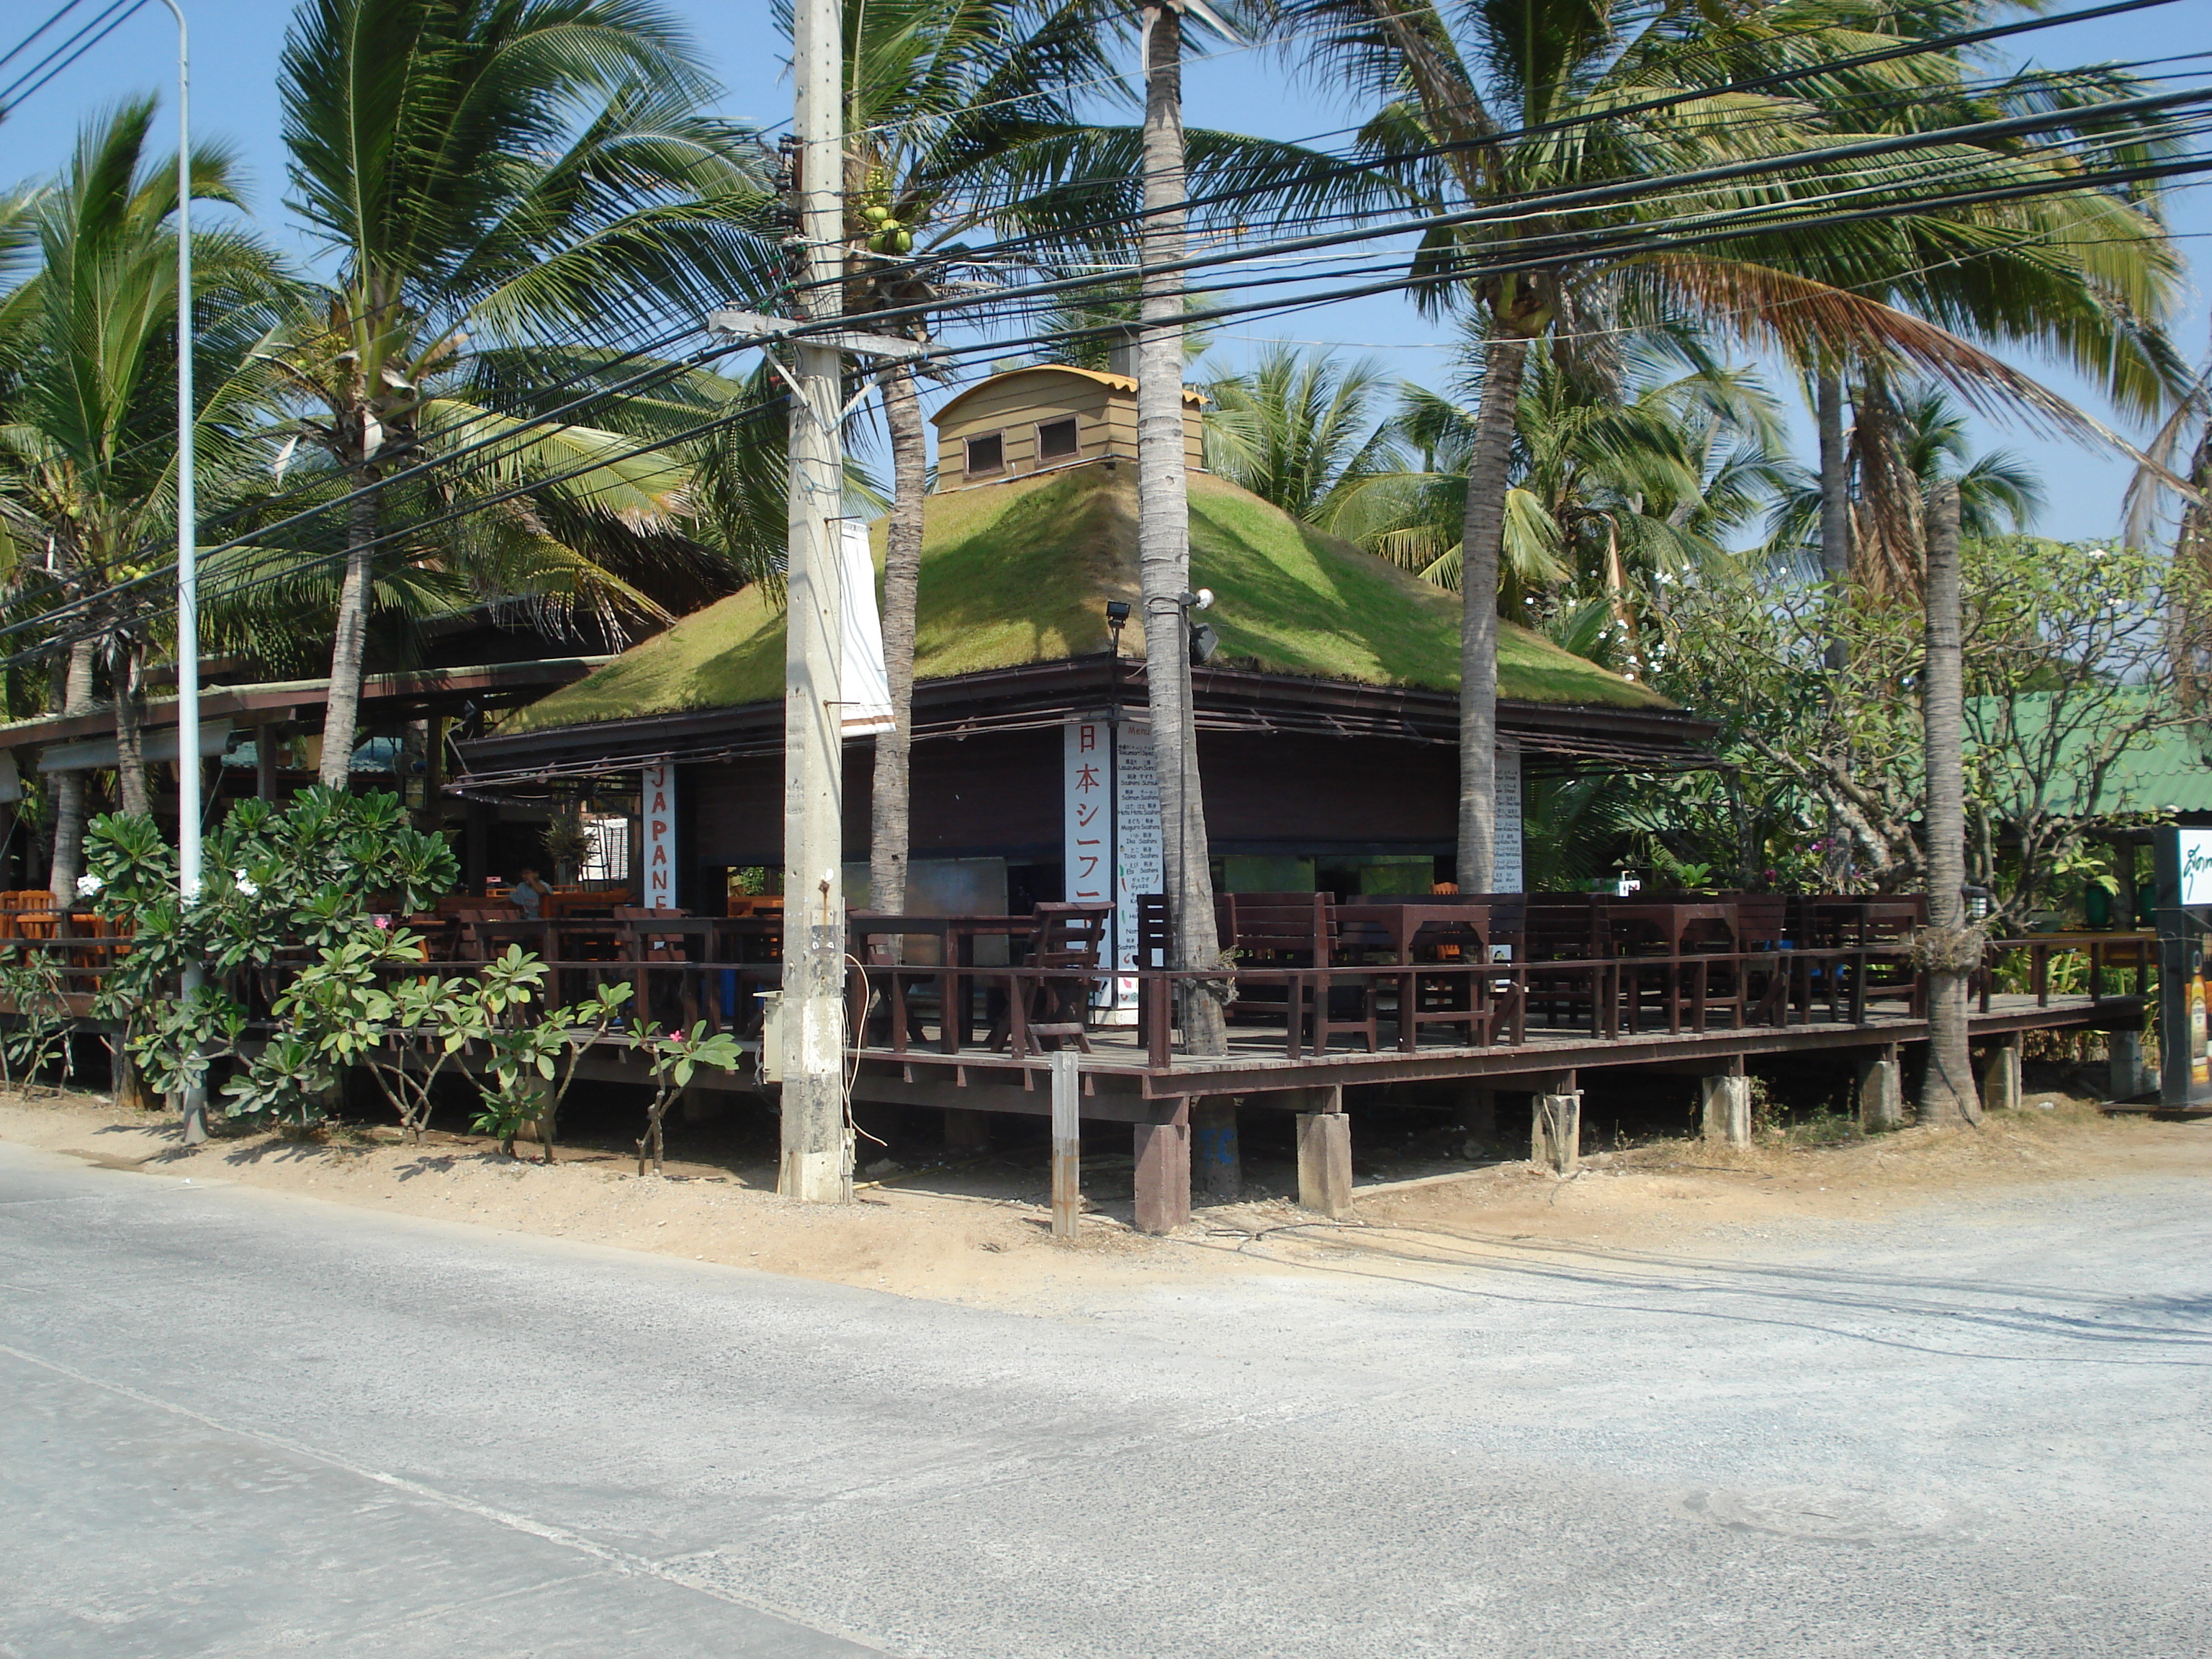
[529, 894]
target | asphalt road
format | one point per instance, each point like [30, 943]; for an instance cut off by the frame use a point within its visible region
[238, 1424]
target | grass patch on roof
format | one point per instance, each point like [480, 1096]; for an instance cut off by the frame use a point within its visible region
[1019, 573]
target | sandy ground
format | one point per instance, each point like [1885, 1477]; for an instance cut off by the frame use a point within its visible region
[981, 1235]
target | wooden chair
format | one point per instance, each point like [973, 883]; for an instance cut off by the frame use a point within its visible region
[1763, 935]
[1295, 933]
[1069, 946]
[1563, 928]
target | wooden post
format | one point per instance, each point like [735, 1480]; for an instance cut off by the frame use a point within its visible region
[1478, 1112]
[2001, 1076]
[1325, 1162]
[265, 762]
[1163, 1174]
[1066, 1142]
[1881, 1092]
[476, 846]
[1727, 1102]
[2127, 1080]
[1217, 1162]
[966, 1132]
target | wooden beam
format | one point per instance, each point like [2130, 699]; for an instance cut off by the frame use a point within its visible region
[1106, 1106]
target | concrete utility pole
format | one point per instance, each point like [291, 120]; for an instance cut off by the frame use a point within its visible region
[817, 1164]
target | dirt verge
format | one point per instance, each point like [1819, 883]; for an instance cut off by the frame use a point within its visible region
[980, 1235]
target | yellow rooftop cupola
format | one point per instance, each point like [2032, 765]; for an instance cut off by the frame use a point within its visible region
[1042, 418]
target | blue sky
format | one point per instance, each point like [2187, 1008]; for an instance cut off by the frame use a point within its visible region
[236, 46]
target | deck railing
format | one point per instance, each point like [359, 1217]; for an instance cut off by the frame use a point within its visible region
[1301, 1011]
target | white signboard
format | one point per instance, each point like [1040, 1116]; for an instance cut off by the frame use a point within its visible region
[1506, 874]
[1140, 846]
[2195, 866]
[1111, 799]
[1087, 791]
[866, 685]
[657, 808]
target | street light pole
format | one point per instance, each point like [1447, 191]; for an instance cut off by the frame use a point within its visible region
[194, 1100]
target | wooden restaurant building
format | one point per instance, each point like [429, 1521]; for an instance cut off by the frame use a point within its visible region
[1327, 750]
[1328, 717]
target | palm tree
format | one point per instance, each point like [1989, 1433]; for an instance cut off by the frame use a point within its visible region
[1900, 447]
[1621, 483]
[495, 175]
[88, 443]
[1300, 431]
[2076, 271]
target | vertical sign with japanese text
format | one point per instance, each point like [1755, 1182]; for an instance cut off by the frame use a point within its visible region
[1088, 792]
[657, 808]
[1139, 864]
[1506, 873]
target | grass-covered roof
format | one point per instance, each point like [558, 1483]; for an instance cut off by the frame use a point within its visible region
[1019, 573]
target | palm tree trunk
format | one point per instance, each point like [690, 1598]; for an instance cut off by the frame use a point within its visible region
[889, 829]
[341, 714]
[1946, 1092]
[1835, 570]
[129, 731]
[1163, 531]
[70, 786]
[1482, 539]
[1835, 487]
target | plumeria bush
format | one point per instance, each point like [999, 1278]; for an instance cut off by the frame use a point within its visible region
[294, 921]
[308, 877]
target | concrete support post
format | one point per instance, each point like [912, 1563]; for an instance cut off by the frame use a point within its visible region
[1727, 1102]
[1217, 1162]
[1325, 1162]
[1881, 1093]
[2129, 1079]
[1555, 1132]
[1163, 1177]
[2001, 1077]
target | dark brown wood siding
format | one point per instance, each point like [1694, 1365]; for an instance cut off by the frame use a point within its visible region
[1288, 793]
[994, 792]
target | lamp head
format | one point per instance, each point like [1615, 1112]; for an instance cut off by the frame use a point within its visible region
[1117, 612]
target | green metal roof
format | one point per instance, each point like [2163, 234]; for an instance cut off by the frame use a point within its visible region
[2162, 770]
[1019, 573]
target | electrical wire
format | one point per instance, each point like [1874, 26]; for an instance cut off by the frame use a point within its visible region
[1595, 198]
[1121, 222]
[15, 92]
[981, 349]
[1000, 300]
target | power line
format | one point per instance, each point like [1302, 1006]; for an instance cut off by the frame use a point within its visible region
[1121, 222]
[15, 92]
[1303, 302]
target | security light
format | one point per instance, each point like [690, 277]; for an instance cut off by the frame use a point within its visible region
[1204, 642]
[1117, 612]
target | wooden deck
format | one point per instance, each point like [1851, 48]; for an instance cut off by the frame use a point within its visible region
[1120, 1085]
